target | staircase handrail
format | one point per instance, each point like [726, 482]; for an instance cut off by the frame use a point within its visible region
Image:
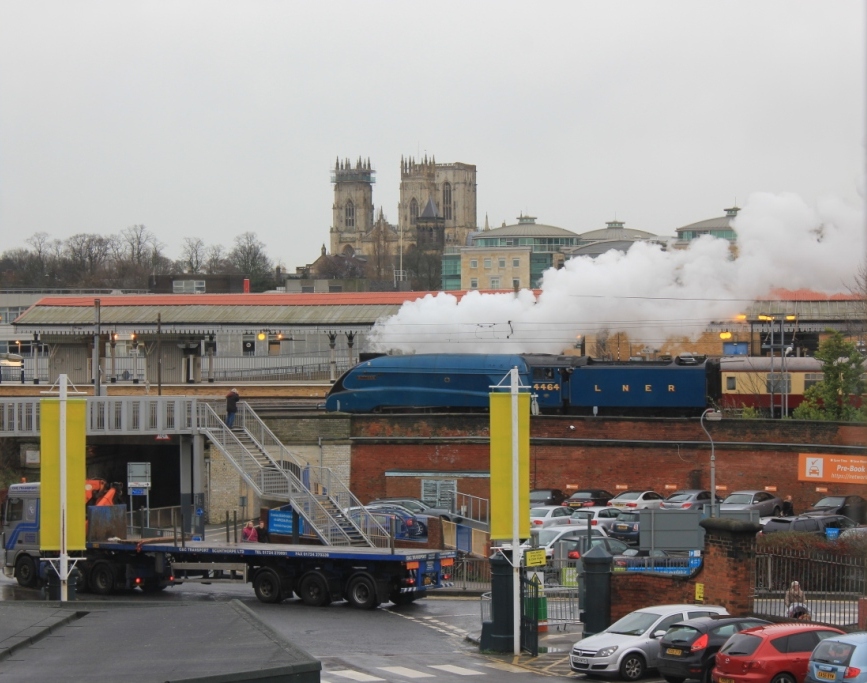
[273, 480]
[320, 477]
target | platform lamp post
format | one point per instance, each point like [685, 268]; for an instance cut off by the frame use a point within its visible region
[713, 416]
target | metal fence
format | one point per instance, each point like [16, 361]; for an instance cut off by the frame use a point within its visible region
[472, 573]
[832, 585]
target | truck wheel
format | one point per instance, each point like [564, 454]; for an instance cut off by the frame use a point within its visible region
[25, 571]
[102, 578]
[313, 590]
[267, 586]
[362, 593]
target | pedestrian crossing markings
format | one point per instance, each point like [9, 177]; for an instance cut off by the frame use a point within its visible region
[406, 672]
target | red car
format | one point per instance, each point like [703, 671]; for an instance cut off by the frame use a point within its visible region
[776, 653]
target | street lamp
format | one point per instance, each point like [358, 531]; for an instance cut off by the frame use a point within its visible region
[713, 416]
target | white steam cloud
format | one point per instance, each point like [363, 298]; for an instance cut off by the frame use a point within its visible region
[649, 293]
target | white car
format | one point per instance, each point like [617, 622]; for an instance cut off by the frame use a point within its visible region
[549, 515]
[637, 500]
[602, 517]
[630, 646]
[547, 538]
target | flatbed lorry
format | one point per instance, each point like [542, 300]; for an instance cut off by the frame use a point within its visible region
[317, 574]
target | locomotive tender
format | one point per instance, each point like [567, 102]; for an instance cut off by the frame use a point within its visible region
[572, 385]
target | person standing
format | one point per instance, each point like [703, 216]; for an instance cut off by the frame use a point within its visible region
[232, 399]
[794, 595]
[262, 532]
[249, 533]
[788, 507]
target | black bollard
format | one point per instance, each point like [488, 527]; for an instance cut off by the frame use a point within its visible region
[597, 563]
[498, 635]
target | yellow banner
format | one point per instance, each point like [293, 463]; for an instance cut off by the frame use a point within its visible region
[501, 466]
[49, 513]
[838, 469]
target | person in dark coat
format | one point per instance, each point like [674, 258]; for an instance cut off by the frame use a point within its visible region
[232, 399]
[788, 507]
[262, 532]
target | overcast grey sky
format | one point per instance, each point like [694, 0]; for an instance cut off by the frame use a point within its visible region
[210, 119]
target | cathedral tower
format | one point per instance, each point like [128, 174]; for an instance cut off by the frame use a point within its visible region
[353, 205]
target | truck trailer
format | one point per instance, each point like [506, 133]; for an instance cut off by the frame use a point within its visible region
[317, 574]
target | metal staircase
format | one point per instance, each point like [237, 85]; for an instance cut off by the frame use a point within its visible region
[275, 473]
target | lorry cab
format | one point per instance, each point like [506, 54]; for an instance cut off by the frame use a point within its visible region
[20, 533]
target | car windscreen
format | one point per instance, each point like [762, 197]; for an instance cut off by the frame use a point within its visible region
[581, 495]
[830, 502]
[741, 644]
[831, 651]
[582, 514]
[538, 512]
[634, 624]
[629, 495]
[773, 525]
[678, 497]
[681, 634]
[628, 517]
[539, 495]
[547, 536]
[738, 499]
[412, 505]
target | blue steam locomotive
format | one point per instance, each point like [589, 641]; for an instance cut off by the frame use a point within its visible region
[569, 385]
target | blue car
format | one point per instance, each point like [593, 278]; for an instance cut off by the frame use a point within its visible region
[839, 658]
[626, 527]
[413, 524]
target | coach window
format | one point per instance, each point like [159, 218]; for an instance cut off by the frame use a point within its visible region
[812, 379]
[731, 383]
[779, 383]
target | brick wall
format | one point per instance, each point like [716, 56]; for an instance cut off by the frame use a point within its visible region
[224, 488]
[726, 574]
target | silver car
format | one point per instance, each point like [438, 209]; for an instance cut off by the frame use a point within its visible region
[766, 503]
[549, 515]
[602, 517]
[630, 646]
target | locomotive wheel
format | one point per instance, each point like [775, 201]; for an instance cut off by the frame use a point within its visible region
[313, 590]
[25, 571]
[362, 593]
[267, 586]
[102, 578]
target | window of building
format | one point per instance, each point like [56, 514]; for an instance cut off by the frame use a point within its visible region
[188, 286]
[335, 288]
[474, 263]
[516, 283]
[516, 263]
[502, 263]
[307, 289]
[349, 213]
[474, 283]
[413, 212]
[731, 383]
[488, 263]
[447, 201]
[439, 493]
[274, 347]
[495, 283]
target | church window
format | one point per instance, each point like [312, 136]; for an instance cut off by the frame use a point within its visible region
[350, 214]
[413, 212]
[447, 201]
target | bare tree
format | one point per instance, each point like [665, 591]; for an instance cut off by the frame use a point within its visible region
[216, 260]
[193, 255]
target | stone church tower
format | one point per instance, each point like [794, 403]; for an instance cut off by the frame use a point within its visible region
[452, 187]
[353, 205]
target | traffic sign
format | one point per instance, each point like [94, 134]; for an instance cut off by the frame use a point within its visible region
[535, 558]
[138, 492]
[199, 512]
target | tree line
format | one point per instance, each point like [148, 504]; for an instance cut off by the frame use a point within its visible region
[128, 260]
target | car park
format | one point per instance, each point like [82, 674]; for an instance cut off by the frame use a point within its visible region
[626, 528]
[811, 524]
[588, 498]
[603, 517]
[767, 504]
[777, 652]
[689, 499]
[630, 646]
[540, 497]
[635, 500]
[853, 507]
[419, 507]
[839, 658]
[688, 648]
[549, 515]
[612, 545]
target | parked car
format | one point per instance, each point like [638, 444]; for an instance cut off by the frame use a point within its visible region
[612, 545]
[777, 652]
[636, 499]
[838, 658]
[548, 537]
[689, 499]
[853, 507]
[588, 498]
[811, 524]
[549, 515]
[630, 646]
[419, 507]
[603, 517]
[766, 503]
[688, 649]
[387, 521]
[546, 497]
[413, 523]
[626, 528]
